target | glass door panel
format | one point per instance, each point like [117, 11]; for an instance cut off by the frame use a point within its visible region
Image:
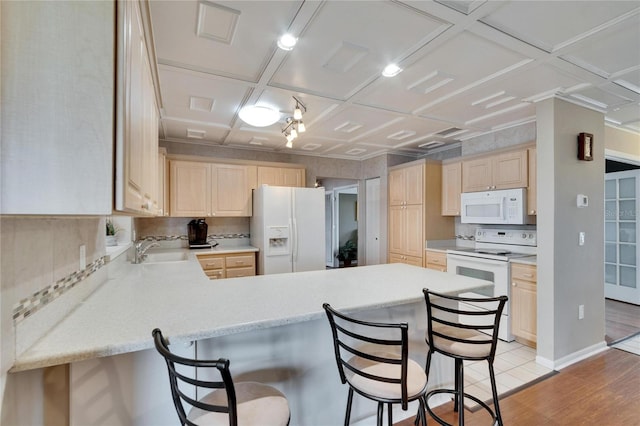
[622, 194]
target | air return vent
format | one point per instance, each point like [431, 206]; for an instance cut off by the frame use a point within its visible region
[449, 131]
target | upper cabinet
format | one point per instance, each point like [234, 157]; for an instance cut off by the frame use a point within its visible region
[136, 183]
[198, 189]
[502, 171]
[57, 108]
[406, 185]
[281, 176]
[451, 188]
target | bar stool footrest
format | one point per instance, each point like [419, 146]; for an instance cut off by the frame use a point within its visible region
[460, 405]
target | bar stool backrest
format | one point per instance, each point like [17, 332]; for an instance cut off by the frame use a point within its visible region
[176, 379]
[359, 344]
[457, 331]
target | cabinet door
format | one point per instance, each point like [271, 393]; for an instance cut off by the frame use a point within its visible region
[269, 176]
[231, 189]
[397, 184]
[510, 170]
[292, 177]
[414, 184]
[532, 191]
[189, 189]
[476, 175]
[436, 260]
[451, 188]
[523, 309]
[414, 242]
[397, 225]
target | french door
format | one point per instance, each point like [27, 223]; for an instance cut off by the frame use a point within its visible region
[622, 233]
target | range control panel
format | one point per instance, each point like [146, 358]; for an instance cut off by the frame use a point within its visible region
[526, 237]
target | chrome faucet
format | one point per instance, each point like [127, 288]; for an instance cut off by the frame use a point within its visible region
[141, 249]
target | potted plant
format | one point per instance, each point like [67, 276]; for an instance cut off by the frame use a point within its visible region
[348, 252]
[112, 230]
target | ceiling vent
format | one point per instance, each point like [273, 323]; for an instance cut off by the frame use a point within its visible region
[449, 131]
[195, 134]
[402, 134]
[348, 127]
[432, 144]
[355, 151]
[197, 103]
[311, 147]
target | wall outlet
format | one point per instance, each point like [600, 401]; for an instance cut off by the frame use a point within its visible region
[580, 312]
[83, 257]
[581, 239]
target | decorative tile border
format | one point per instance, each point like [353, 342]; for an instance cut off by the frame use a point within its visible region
[185, 237]
[40, 298]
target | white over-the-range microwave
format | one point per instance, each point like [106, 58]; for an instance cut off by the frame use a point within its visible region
[505, 206]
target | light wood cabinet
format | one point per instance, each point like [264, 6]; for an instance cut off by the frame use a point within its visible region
[451, 188]
[532, 191]
[437, 260]
[524, 303]
[208, 189]
[415, 211]
[406, 185]
[58, 79]
[136, 118]
[281, 176]
[502, 171]
[228, 265]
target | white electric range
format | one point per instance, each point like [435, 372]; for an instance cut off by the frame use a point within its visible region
[489, 260]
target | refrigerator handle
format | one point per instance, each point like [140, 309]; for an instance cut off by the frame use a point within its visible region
[294, 238]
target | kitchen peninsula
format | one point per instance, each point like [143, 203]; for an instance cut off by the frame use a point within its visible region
[271, 327]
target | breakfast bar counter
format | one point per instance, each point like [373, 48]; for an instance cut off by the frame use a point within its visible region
[271, 327]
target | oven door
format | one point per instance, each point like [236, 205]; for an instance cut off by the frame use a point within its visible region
[490, 270]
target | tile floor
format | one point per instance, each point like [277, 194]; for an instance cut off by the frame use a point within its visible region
[514, 366]
[632, 344]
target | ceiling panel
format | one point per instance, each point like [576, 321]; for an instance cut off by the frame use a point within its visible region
[343, 48]
[183, 34]
[459, 63]
[502, 96]
[549, 25]
[187, 94]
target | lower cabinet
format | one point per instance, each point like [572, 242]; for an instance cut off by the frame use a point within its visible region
[409, 260]
[524, 305]
[228, 265]
[436, 260]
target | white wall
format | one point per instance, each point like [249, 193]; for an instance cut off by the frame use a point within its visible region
[568, 274]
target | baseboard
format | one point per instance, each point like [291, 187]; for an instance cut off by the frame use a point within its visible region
[574, 357]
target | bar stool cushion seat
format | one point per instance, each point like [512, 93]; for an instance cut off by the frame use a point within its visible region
[256, 404]
[466, 350]
[416, 378]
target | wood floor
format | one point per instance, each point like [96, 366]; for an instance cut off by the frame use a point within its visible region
[601, 390]
[621, 320]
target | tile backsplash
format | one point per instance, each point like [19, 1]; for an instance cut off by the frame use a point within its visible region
[175, 228]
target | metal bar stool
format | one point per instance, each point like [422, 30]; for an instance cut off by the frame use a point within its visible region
[463, 335]
[373, 358]
[243, 403]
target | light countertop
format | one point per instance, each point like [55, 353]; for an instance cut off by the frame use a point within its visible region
[178, 298]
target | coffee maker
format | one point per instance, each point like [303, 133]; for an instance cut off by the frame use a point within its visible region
[198, 234]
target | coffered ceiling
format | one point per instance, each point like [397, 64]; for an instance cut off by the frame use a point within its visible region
[469, 68]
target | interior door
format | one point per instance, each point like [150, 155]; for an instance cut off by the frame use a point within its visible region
[372, 220]
[622, 195]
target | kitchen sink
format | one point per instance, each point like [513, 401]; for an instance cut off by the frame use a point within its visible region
[166, 256]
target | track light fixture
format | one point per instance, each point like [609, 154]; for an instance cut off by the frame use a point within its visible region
[295, 125]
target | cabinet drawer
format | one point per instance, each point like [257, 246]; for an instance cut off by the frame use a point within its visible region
[211, 262]
[524, 272]
[436, 267]
[215, 274]
[437, 258]
[238, 261]
[241, 272]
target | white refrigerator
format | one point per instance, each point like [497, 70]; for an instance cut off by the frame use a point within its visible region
[287, 227]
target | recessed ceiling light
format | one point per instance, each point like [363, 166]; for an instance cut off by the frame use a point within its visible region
[259, 116]
[391, 70]
[287, 41]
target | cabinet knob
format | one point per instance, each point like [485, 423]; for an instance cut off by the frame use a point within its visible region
[514, 284]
